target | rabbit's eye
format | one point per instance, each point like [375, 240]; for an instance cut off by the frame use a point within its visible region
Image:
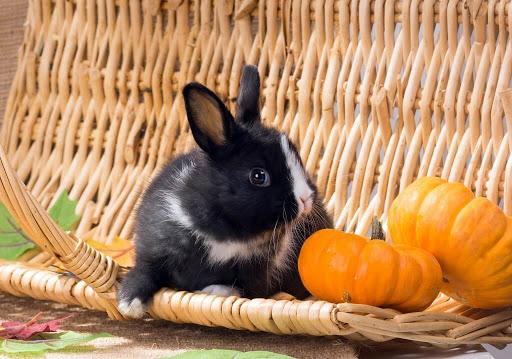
[259, 177]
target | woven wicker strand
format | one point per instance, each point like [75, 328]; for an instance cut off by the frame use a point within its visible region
[96, 269]
[361, 322]
[375, 94]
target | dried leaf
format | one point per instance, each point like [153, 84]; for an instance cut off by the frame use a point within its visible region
[121, 250]
[21, 330]
[49, 341]
[13, 242]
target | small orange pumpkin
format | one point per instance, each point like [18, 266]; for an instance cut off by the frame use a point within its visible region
[343, 267]
[470, 236]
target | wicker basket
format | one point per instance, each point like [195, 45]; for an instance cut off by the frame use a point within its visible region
[375, 93]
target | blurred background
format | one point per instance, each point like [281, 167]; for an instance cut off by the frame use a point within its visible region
[12, 17]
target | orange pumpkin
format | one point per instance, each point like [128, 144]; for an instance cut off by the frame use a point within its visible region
[470, 236]
[343, 267]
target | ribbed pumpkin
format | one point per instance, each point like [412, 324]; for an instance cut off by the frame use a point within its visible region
[470, 236]
[343, 267]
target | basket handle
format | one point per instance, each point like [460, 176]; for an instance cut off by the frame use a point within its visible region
[88, 264]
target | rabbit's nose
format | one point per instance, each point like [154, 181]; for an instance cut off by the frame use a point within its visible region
[306, 203]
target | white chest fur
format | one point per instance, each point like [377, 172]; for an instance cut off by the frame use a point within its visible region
[282, 259]
[278, 251]
[224, 251]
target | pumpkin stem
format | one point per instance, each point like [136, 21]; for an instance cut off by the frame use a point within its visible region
[347, 298]
[377, 231]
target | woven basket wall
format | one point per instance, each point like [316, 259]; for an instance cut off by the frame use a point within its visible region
[375, 94]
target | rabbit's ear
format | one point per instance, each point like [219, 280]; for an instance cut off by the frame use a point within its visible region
[248, 107]
[211, 122]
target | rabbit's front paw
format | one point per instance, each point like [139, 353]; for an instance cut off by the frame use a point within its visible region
[132, 308]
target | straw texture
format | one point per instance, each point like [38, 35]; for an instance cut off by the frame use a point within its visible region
[374, 93]
[12, 18]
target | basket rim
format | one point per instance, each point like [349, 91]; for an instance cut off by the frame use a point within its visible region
[447, 328]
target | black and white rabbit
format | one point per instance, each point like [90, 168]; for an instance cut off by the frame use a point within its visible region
[230, 217]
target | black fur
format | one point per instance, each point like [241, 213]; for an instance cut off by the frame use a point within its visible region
[228, 125]
[248, 109]
[212, 184]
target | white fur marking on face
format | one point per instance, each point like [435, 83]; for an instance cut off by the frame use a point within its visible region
[301, 188]
[224, 251]
[134, 309]
[221, 290]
